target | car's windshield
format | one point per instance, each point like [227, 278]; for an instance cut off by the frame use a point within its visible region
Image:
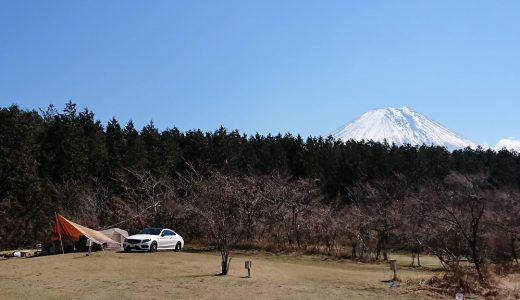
[153, 231]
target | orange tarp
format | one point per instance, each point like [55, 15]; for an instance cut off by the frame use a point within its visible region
[72, 231]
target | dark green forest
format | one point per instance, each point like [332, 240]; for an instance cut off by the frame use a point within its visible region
[102, 174]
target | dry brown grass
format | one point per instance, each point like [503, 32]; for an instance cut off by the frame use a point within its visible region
[166, 275]
[502, 285]
[509, 284]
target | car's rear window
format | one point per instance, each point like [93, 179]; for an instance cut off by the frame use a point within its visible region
[153, 231]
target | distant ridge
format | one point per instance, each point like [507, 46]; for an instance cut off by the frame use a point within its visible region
[401, 126]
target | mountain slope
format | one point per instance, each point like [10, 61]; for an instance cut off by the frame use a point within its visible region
[400, 126]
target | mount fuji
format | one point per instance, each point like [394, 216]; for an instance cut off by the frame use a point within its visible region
[401, 126]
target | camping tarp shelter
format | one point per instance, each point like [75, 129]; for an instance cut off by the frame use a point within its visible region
[117, 234]
[66, 229]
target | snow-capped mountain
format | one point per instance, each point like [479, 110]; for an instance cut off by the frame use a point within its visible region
[509, 144]
[401, 126]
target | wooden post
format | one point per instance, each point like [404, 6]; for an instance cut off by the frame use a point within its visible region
[59, 232]
[393, 267]
[89, 247]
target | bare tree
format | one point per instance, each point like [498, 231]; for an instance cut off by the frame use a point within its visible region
[144, 194]
[84, 201]
[325, 226]
[459, 203]
[414, 229]
[381, 202]
[252, 205]
[358, 229]
[216, 201]
[287, 202]
[503, 218]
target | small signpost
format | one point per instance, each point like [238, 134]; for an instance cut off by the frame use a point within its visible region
[248, 267]
[393, 267]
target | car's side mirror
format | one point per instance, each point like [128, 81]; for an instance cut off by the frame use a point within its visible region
[162, 234]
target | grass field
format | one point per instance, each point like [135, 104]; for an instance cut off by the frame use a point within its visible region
[168, 275]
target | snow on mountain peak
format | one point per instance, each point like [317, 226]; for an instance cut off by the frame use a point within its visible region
[509, 144]
[400, 126]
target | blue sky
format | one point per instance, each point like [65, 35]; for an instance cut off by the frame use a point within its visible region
[267, 66]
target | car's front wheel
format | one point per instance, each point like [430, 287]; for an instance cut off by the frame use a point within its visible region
[128, 249]
[177, 247]
[153, 247]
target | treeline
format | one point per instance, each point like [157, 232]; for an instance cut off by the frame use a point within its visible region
[69, 162]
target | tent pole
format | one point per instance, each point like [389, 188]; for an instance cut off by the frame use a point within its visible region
[59, 232]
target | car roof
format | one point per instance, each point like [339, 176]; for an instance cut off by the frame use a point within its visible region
[160, 228]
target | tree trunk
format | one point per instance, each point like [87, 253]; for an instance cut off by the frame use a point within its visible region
[378, 249]
[298, 237]
[225, 259]
[224, 267]
[287, 233]
[383, 247]
[295, 227]
[249, 221]
[513, 249]
[476, 261]
[362, 249]
[418, 258]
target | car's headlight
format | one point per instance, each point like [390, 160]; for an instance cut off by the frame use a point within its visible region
[145, 241]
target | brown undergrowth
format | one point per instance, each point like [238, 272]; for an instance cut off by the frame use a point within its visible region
[502, 282]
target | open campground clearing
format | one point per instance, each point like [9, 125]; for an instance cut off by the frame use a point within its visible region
[168, 275]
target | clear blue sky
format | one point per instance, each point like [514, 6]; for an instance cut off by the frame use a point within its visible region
[267, 66]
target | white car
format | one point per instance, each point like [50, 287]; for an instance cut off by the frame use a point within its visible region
[153, 239]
